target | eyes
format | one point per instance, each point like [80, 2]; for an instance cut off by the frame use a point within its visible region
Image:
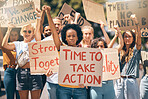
[101, 46]
[47, 30]
[71, 35]
[127, 36]
[29, 31]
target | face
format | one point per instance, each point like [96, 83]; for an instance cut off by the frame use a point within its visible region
[71, 37]
[28, 33]
[47, 31]
[57, 24]
[87, 34]
[14, 36]
[100, 44]
[128, 38]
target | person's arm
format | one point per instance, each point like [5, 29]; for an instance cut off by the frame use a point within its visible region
[38, 25]
[120, 39]
[5, 44]
[55, 35]
[137, 32]
[107, 39]
[1, 37]
[77, 15]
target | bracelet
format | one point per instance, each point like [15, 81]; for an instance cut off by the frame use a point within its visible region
[38, 17]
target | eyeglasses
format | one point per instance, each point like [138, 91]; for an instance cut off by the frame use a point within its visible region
[127, 36]
[101, 46]
[29, 31]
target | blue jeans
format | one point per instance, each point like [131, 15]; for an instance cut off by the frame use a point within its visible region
[68, 93]
[52, 90]
[10, 83]
[104, 92]
[127, 88]
[144, 88]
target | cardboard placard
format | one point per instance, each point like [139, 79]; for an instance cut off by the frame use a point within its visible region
[111, 68]
[144, 32]
[144, 55]
[2, 2]
[80, 66]
[10, 3]
[92, 14]
[118, 13]
[22, 14]
[43, 55]
[66, 9]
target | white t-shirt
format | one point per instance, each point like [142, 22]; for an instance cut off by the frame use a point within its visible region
[54, 77]
[21, 46]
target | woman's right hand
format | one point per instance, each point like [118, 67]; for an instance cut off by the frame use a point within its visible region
[49, 73]
[10, 26]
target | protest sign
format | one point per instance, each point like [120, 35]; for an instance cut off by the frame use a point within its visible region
[43, 55]
[22, 14]
[66, 9]
[10, 3]
[2, 2]
[144, 32]
[111, 68]
[118, 13]
[92, 14]
[144, 55]
[80, 66]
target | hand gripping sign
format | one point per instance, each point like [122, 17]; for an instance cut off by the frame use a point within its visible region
[118, 13]
[88, 66]
[66, 9]
[4, 20]
[43, 55]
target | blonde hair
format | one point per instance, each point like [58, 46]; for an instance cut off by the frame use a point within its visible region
[88, 27]
[22, 29]
[83, 29]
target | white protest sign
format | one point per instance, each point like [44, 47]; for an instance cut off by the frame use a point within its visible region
[43, 55]
[144, 55]
[10, 3]
[80, 66]
[66, 9]
[144, 32]
[118, 13]
[22, 14]
[92, 14]
[2, 2]
[111, 68]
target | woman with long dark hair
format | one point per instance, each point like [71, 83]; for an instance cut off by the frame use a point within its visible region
[127, 87]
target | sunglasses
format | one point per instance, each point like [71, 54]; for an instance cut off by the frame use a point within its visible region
[29, 31]
[101, 46]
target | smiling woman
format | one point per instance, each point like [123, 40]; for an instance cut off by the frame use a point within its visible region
[35, 83]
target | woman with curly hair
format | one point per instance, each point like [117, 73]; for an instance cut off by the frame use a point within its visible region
[71, 36]
[107, 89]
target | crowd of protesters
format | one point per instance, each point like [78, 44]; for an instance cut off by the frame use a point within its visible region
[20, 80]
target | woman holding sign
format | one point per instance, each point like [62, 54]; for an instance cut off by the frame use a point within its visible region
[127, 87]
[9, 64]
[107, 89]
[25, 81]
[71, 36]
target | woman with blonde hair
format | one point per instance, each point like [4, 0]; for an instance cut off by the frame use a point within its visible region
[25, 81]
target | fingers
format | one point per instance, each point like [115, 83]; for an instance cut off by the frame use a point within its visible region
[49, 73]
[134, 18]
[101, 24]
[38, 10]
[46, 8]
[81, 85]
[67, 17]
